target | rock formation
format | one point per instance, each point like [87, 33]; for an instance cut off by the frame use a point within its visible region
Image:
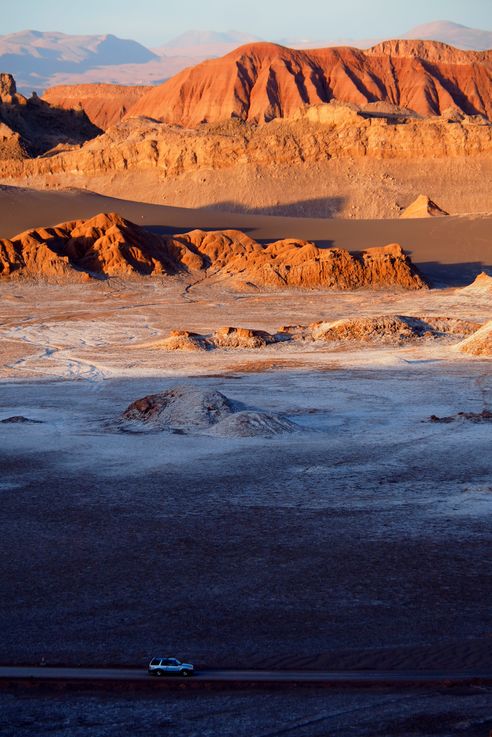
[179, 408]
[104, 104]
[316, 157]
[229, 337]
[484, 416]
[188, 409]
[20, 420]
[391, 329]
[32, 126]
[103, 245]
[423, 207]
[481, 286]
[12, 146]
[297, 159]
[109, 245]
[480, 343]
[8, 91]
[183, 340]
[262, 81]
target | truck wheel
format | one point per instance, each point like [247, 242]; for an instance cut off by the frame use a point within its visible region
[185, 673]
[159, 673]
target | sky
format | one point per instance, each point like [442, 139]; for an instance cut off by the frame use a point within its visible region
[153, 22]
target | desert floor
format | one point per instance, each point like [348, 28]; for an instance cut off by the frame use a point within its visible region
[303, 712]
[362, 540]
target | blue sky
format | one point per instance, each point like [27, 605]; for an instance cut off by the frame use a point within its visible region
[153, 21]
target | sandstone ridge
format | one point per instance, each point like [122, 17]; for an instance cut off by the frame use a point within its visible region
[321, 135]
[108, 245]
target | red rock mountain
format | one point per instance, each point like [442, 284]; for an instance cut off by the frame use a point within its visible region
[262, 81]
[109, 245]
[104, 104]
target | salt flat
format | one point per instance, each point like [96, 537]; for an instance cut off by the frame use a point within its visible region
[362, 539]
[114, 328]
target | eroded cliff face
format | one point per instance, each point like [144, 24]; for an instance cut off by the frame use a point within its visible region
[104, 104]
[142, 145]
[108, 245]
[262, 81]
[31, 126]
[329, 161]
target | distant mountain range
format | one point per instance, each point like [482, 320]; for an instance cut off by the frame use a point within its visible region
[38, 58]
[42, 59]
[205, 44]
[454, 34]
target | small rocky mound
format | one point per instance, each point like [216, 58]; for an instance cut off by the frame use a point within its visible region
[481, 286]
[442, 326]
[183, 340]
[226, 337]
[393, 329]
[188, 409]
[453, 114]
[180, 408]
[423, 207]
[20, 420]
[253, 424]
[480, 343]
[484, 416]
[230, 337]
